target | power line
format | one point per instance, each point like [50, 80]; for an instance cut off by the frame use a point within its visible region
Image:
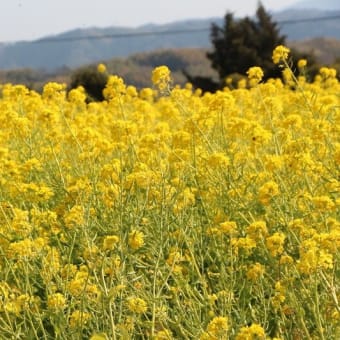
[122, 35]
[167, 32]
[294, 21]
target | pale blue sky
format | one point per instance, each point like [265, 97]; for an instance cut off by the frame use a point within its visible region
[32, 19]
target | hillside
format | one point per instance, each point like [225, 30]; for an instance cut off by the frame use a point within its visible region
[83, 46]
[137, 68]
[326, 50]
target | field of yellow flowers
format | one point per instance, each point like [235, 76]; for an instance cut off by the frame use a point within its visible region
[172, 214]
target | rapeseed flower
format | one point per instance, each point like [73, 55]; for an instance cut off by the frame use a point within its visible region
[110, 242]
[302, 63]
[216, 329]
[280, 54]
[218, 159]
[56, 302]
[255, 75]
[99, 336]
[18, 304]
[255, 272]
[136, 239]
[228, 227]
[75, 217]
[279, 295]
[257, 230]
[79, 319]
[252, 332]
[137, 305]
[164, 334]
[267, 191]
[161, 77]
[275, 243]
[26, 248]
[101, 68]
[245, 243]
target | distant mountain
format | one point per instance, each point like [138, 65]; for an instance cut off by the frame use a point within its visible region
[83, 46]
[330, 5]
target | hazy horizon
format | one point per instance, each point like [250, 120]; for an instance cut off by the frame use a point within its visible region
[33, 19]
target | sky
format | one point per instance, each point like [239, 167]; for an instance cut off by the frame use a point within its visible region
[33, 19]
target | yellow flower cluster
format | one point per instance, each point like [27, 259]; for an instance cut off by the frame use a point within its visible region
[280, 54]
[136, 239]
[101, 68]
[189, 215]
[216, 329]
[255, 272]
[302, 63]
[137, 305]
[254, 331]
[161, 77]
[255, 75]
[56, 302]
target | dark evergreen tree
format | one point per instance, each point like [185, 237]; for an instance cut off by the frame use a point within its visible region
[239, 45]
